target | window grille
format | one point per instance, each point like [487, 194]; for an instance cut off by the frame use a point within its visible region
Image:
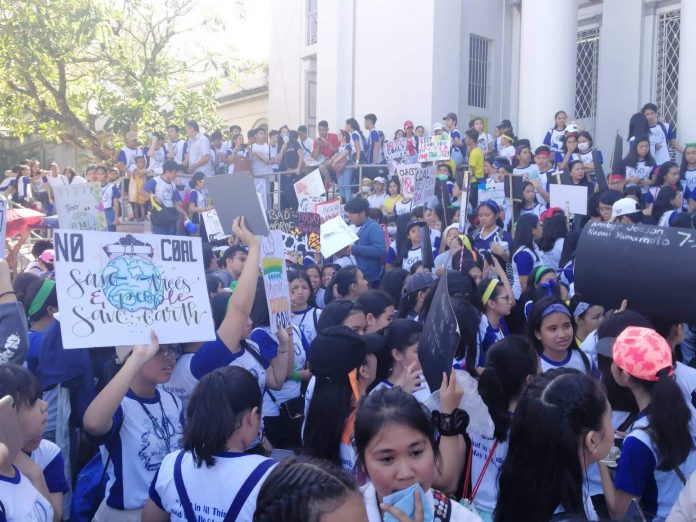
[587, 62]
[479, 64]
[667, 74]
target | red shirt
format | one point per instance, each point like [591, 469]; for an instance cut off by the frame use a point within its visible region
[327, 151]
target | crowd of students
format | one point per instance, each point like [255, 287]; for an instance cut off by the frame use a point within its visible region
[590, 411]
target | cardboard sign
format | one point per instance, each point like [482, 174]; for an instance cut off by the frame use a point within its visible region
[407, 173]
[434, 148]
[213, 226]
[328, 210]
[396, 150]
[80, 207]
[275, 279]
[424, 186]
[300, 230]
[440, 337]
[336, 235]
[569, 198]
[235, 195]
[615, 262]
[493, 190]
[116, 288]
[3, 226]
[310, 191]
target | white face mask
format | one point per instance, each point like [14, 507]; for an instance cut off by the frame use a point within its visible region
[391, 230]
[366, 189]
[583, 146]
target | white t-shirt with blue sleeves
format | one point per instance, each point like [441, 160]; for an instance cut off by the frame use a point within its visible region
[210, 489]
[165, 191]
[109, 192]
[659, 141]
[554, 140]
[524, 261]
[49, 458]
[127, 156]
[573, 360]
[20, 500]
[372, 138]
[689, 182]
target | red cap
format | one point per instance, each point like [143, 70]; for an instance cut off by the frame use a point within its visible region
[407, 124]
[616, 177]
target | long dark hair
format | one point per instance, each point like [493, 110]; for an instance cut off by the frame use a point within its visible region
[345, 277]
[327, 414]
[685, 164]
[356, 127]
[393, 283]
[662, 171]
[509, 363]
[215, 411]
[375, 302]
[631, 159]
[524, 234]
[301, 488]
[553, 414]
[292, 275]
[638, 125]
[555, 227]
[663, 202]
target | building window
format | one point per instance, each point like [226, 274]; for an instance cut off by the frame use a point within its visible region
[479, 64]
[311, 23]
[586, 67]
[667, 74]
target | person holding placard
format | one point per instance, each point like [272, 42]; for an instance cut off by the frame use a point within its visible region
[370, 247]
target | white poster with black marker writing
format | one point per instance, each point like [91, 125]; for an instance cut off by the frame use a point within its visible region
[80, 207]
[114, 288]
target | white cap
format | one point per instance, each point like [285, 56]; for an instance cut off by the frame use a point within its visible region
[572, 127]
[379, 179]
[437, 126]
[624, 207]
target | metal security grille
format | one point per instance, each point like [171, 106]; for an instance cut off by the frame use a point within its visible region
[667, 74]
[478, 71]
[586, 61]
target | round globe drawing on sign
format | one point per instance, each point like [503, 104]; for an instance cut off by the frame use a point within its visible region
[130, 280]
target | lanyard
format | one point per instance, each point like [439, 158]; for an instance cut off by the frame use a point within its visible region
[483, 471]
[162, 432]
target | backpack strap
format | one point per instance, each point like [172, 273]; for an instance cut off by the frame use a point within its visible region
[314, 317]
[249, 484]
[664, 130]
[181, 489]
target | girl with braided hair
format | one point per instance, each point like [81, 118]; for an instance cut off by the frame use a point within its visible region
[308, 489]
[212, 477]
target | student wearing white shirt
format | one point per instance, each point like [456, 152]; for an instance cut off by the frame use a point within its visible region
[373, 149]
[638, 163]
[175, 147]
[199, 155]
[261, 163]
[688, 173]
[376, 200]
[156, 154]
[485, 141]
[307, 147]
[554, 137]
[126, 156]
[662, 135]
[212, 476]
[507, 149]
[526, 254]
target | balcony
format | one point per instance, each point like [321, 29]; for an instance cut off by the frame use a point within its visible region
[311, 28]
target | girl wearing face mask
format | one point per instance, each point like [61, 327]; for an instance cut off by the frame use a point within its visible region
[585, 153]
[638, 163]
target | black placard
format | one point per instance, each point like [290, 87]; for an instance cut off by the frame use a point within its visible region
[652, 267]
[235, 195]
[426, 247]
[440, 337]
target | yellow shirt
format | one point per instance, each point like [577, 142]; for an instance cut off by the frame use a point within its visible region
[390, 201]
[476, 162]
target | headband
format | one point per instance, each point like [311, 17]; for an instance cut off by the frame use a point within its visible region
[555, 308]
[542, 152]
[507, 137]
[489, 291]
[492, 205]
[40, 298]
[692, 144]
[581, 309]
[538, 272]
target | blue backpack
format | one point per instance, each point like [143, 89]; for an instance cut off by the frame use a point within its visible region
[89, 490]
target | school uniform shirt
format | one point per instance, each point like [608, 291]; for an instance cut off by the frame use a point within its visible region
[413, 256]
[443, 260]
[552, 258]
[257, 165]
[197, 148]
[38, 184]
[544, 183]
[165, 191]
[667, 217]
[536, 210]
[306, 323]
[345, 261]
[241, 153]
[531, 171]
[127, 156]
[483, 243]
[422, 394]
[573, 360]
[487, 337]
[487, 495]
[524, 261]
[199, 198]
[181, 383]
[594, 479]
[377, 200]
[307, 146]
[641, 171]
[483, 140]
[458, 512]
[554, 140]
[109, 192]
[637, 472]
[22, 188]
[507, 152]
[150, 428]
[210, 489]
[660, 136]
[268, 348]
[685, 376]
[49, 458]
[689, 182]
[587, 157]
[401, 207]
[178, 149]
[372, 138]
[355, 136]
[20, 500]
[155, 162]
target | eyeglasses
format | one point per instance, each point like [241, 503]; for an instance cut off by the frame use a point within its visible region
[505, 298]
[170, 349]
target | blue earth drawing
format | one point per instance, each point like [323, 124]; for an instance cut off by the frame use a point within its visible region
[132, 283]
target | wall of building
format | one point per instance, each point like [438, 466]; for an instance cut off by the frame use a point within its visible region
[245, 111]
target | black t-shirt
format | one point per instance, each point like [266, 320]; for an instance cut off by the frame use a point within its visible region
[290, 159]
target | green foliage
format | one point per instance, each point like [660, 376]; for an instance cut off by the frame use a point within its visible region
[87, 71]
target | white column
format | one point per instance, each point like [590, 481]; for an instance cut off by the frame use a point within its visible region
[548, 40]
[686, 112]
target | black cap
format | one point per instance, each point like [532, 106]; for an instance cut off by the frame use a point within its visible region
[450, 116]
[505, 123]
[335, 352]
[418, 281]
[374, 342]
[357, 205]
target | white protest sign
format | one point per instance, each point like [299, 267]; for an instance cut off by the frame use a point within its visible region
[425, 186]
[115, 288]
[569, 198]
[3, 225]
[275, 279]
[494, 190]
[310, 191]
[336, 235]
[434, 148]
[213, 226]
[80, 207]
[396, 149]
[407, 178]
[329, 209]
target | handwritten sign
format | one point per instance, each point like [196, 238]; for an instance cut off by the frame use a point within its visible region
[407, 173]
[569, 198]
[615, 262]
[275, 279]
[116, 288]
[336, 235]
[434, 148]
[3, 226]
[493, 190]
[80, 207]
[310, 191]
[300, 230]
[329, 209]
[213, 226]
[396, 150]
[440, 337]
[424, 189]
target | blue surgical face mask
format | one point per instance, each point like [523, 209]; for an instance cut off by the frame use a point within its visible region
[441, 177]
